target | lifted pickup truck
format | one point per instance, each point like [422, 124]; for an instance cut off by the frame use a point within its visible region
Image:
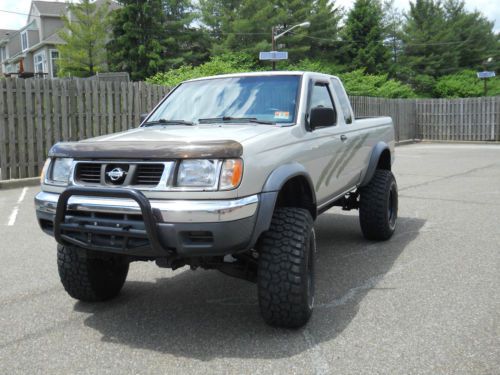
[228, 173]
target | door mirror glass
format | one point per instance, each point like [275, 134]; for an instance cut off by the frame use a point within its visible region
[322, 116]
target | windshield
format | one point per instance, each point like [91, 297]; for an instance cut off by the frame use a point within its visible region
[270, 99]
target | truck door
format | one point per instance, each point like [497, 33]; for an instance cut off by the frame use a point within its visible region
[354, 136]
[326, 147]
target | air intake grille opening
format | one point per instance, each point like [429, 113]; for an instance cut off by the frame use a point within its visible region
[149, 174]
[89, 172]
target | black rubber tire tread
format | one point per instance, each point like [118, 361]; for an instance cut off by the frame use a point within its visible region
[88, 277]
[373, 206]
[284, 253]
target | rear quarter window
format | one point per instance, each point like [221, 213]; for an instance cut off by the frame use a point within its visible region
[343, 99]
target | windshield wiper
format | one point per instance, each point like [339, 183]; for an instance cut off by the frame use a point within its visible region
[162, 121]
[234, 119]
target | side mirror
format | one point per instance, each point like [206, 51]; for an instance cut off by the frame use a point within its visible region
[321, 116]
[143, 117]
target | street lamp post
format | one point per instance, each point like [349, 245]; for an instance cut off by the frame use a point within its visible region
[275, 37]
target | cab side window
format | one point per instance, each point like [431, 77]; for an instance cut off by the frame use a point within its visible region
[343, 99]
[321, 97]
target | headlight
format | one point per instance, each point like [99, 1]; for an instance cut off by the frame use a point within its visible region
[44, 170]
[197, 173]
[210, 174]
[61, 168]
[231, 173]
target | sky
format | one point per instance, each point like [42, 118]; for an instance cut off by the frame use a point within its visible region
[490, 8]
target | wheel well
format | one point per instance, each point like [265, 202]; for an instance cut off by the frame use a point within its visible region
[296, 192]
[384, 161]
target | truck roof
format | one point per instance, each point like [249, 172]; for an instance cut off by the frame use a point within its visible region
[264, 73]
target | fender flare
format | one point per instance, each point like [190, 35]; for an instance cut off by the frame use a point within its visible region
[275, 181]
[374, 158]
[283, 173]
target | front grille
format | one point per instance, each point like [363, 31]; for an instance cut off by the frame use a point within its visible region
[148, 174]
[119, 173]
[89, 173]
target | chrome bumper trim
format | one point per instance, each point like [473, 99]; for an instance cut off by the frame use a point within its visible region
[172, 211]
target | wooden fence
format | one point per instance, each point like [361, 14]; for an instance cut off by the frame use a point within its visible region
[471, 119]
[402, 111]
[36, 113]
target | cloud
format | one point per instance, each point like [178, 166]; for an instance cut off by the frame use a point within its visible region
[11, 20]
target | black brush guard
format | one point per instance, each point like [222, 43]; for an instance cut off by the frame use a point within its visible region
[61, 227]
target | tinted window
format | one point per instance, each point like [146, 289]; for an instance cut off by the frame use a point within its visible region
[343, 99]
[320, 96]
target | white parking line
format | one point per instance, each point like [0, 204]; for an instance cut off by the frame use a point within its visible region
[13, 216]
[23, 194]
[15, 210]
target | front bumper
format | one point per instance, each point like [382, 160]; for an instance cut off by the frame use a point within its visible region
[125, 221]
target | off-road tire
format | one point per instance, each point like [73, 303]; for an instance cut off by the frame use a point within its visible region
[285, 276]
[378, 206]
[91, 277]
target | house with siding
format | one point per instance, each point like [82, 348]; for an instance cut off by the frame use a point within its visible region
[32, 50]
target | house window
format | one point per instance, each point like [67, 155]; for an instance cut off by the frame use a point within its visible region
[40, 62]
[24, 40]
[3, 54]
[54, 56]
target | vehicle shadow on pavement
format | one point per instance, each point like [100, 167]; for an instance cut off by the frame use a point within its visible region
[206, 315]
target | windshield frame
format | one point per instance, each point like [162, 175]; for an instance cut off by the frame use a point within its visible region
[277, 124]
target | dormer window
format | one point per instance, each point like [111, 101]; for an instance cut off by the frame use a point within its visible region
[24, 40]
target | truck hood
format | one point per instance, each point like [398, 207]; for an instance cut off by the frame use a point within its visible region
[192, 134]
[166, 142]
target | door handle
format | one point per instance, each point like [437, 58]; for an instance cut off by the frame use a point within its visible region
[343, 137]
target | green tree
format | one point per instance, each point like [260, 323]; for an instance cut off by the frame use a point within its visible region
[363, 38]
[473, 33]
[430, 48]
[218, 16]
[323, 35]
[183, 43]
[393, 25]
[85, 32]
[137, 43]
[245, 26]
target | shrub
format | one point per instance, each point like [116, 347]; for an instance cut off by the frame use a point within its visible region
[355, 82]
[465, 84]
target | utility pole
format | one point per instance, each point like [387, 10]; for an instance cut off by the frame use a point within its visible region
[274, 37]
[273, 43]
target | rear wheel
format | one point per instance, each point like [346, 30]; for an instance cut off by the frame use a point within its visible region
[286, 268]
[378, 206]
[89, 276]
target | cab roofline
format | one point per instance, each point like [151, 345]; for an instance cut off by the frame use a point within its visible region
[257, 74]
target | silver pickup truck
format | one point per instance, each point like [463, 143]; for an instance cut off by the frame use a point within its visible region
[228, 173]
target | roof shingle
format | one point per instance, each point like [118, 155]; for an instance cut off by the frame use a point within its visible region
[50, 8]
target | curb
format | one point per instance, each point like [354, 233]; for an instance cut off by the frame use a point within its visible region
[408, 142]
[22, 182]
[462, 142]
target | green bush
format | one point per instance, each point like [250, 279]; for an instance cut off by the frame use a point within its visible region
[465, 84]
[224, 64]
[355, 82]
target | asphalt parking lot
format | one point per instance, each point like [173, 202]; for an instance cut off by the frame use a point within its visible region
[425, 302]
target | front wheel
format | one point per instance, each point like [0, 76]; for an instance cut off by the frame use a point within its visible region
[286, 268]
[89, 276]
[378, 206]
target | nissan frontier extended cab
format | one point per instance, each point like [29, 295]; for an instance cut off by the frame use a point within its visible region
[226, 172]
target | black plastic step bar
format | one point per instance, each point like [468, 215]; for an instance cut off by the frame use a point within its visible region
[150, 223]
